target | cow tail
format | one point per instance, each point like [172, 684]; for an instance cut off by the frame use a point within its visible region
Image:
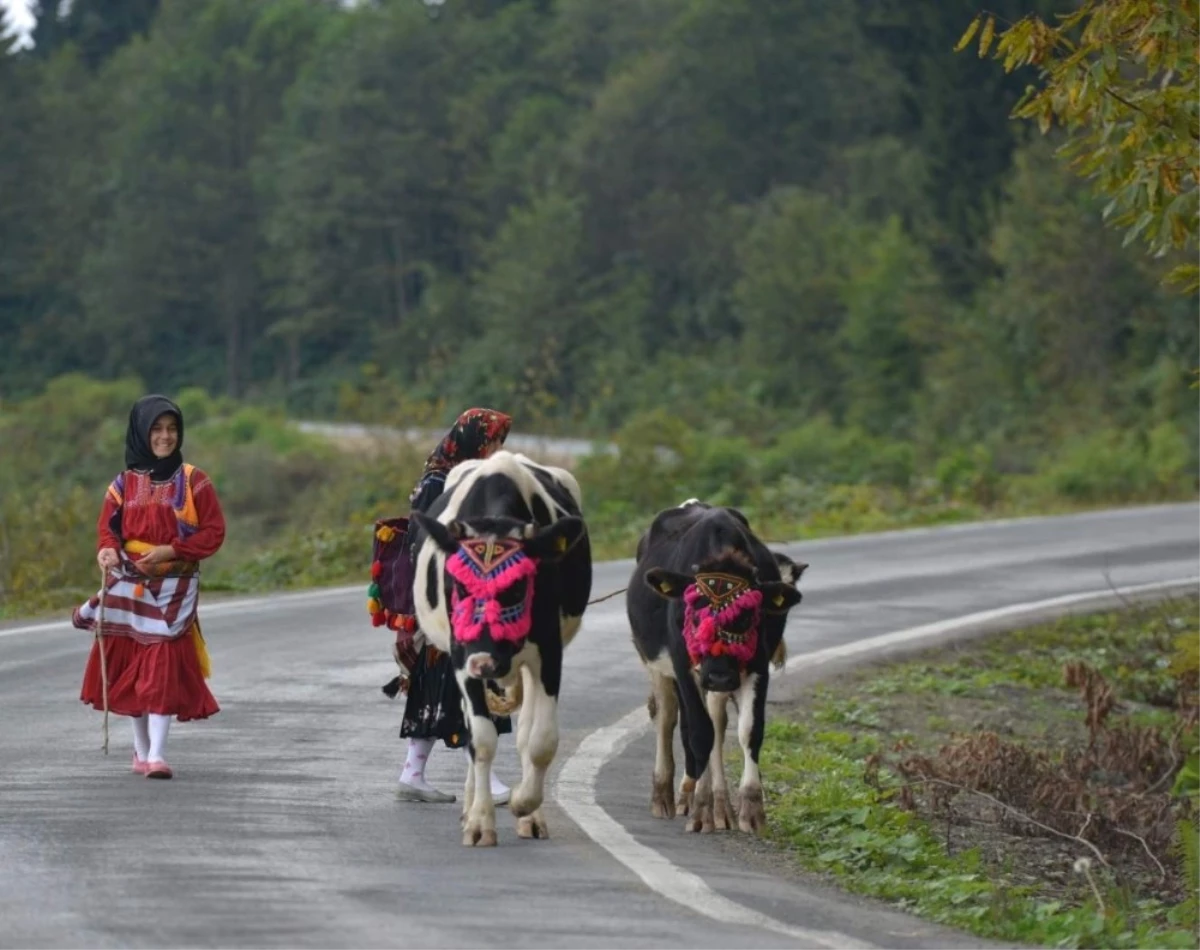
[780, 656]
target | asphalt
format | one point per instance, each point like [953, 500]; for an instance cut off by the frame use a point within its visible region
[280, 828]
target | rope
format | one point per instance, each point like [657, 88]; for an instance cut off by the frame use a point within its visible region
[100, 645]
[607, 596]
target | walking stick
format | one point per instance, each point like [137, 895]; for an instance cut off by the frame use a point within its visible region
[100, 647]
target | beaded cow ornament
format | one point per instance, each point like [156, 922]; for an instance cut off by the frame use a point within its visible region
[487, 569]
[706, 629]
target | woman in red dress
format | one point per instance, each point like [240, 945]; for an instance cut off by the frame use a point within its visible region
[160, 518]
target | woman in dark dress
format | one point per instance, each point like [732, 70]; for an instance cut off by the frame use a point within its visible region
[434, 706]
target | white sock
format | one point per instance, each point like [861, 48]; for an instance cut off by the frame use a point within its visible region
[158, 737]
[414, 762]
[141, 737]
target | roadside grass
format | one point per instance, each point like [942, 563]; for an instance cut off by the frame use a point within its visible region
[854, 775]
[300, 507]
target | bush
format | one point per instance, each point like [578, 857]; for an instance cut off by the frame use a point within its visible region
[1120, 466]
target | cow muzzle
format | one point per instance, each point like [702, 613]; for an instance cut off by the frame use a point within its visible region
[486, 666]
[720, 676]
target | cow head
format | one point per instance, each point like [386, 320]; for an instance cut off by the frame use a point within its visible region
[724, 603]
[491, 567]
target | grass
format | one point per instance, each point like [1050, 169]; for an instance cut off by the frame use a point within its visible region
[972, 868]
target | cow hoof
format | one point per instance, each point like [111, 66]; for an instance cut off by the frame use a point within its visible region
[701, 820]
[523, 803]
[533, 826]
[752, 815]
[723, 819]
[687, 791]
[479, 837]
[661, 805]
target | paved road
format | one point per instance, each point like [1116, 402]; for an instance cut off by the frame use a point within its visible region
[280, 829]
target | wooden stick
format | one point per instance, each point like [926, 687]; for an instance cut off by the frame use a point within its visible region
[100, 647]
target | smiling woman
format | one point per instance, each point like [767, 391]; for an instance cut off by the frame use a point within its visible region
[160, 518]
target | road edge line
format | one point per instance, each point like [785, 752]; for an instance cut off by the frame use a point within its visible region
[575, 785]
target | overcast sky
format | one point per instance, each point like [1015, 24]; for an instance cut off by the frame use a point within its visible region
[18, 15]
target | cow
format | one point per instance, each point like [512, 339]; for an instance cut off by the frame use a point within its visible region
[707, 606]
[503, 576]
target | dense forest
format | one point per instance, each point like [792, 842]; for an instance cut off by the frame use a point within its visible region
[753, 212]
[801, 243]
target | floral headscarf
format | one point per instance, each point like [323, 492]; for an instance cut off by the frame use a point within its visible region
[474, 429]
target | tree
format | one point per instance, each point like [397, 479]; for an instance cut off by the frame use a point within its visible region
[1120, 76]
[98, 27]
[175, 267]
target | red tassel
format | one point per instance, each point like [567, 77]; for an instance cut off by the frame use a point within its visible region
[378, 620]
[718, 649]
[376, 569]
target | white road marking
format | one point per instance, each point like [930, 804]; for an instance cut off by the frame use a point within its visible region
[575, 791]
[575, 788]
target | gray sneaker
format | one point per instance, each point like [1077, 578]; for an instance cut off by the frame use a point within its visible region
[411, 793]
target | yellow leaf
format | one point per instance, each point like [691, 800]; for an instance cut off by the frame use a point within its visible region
[985, 39]
[1179, 232]
[970, 32]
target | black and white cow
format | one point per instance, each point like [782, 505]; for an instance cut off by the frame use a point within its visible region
[503, 576]
[707, 605]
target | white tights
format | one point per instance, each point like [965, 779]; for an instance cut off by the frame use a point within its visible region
[418, 755]
[150, 737]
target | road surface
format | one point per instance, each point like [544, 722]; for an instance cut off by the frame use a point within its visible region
[280, 828]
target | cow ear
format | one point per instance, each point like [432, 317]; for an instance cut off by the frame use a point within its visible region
[666, 583]
[789, 570]
[779, 597]
[438, 533]
[552, 543]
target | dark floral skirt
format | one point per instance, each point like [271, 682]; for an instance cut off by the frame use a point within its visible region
[434, 708]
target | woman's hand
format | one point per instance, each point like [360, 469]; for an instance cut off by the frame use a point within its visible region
[108, 557]
[156, 555]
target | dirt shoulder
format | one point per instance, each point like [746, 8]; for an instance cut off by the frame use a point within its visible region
[1032, 786]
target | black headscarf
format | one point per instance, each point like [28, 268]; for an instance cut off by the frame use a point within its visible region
[138, 454]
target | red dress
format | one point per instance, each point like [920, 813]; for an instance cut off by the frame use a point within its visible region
[162, 675]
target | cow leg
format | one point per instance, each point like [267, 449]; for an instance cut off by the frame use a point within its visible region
[722, 812]
[700, 739]
[687, 787]
[541, 677]
[480, 825]
[533, 823]
[661, 805]
[468, 799]
[752, 709]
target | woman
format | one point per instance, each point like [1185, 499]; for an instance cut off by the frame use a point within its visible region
[160, 518]
[434, 706]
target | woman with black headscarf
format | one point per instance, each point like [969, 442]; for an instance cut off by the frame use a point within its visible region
[433, 709]
[160, 518]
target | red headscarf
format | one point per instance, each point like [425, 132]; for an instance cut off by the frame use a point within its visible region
[474, 429]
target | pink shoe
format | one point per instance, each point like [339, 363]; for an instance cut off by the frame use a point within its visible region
[140, 766]
[158, 770]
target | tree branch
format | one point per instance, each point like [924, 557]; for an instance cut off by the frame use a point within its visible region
[1020, 814]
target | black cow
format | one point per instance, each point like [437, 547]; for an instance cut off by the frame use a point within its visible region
[503, 576]
[707, 605]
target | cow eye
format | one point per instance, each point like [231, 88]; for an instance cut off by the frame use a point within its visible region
[513, 594]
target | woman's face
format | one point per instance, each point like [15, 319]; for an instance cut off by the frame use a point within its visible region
[164, 435]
